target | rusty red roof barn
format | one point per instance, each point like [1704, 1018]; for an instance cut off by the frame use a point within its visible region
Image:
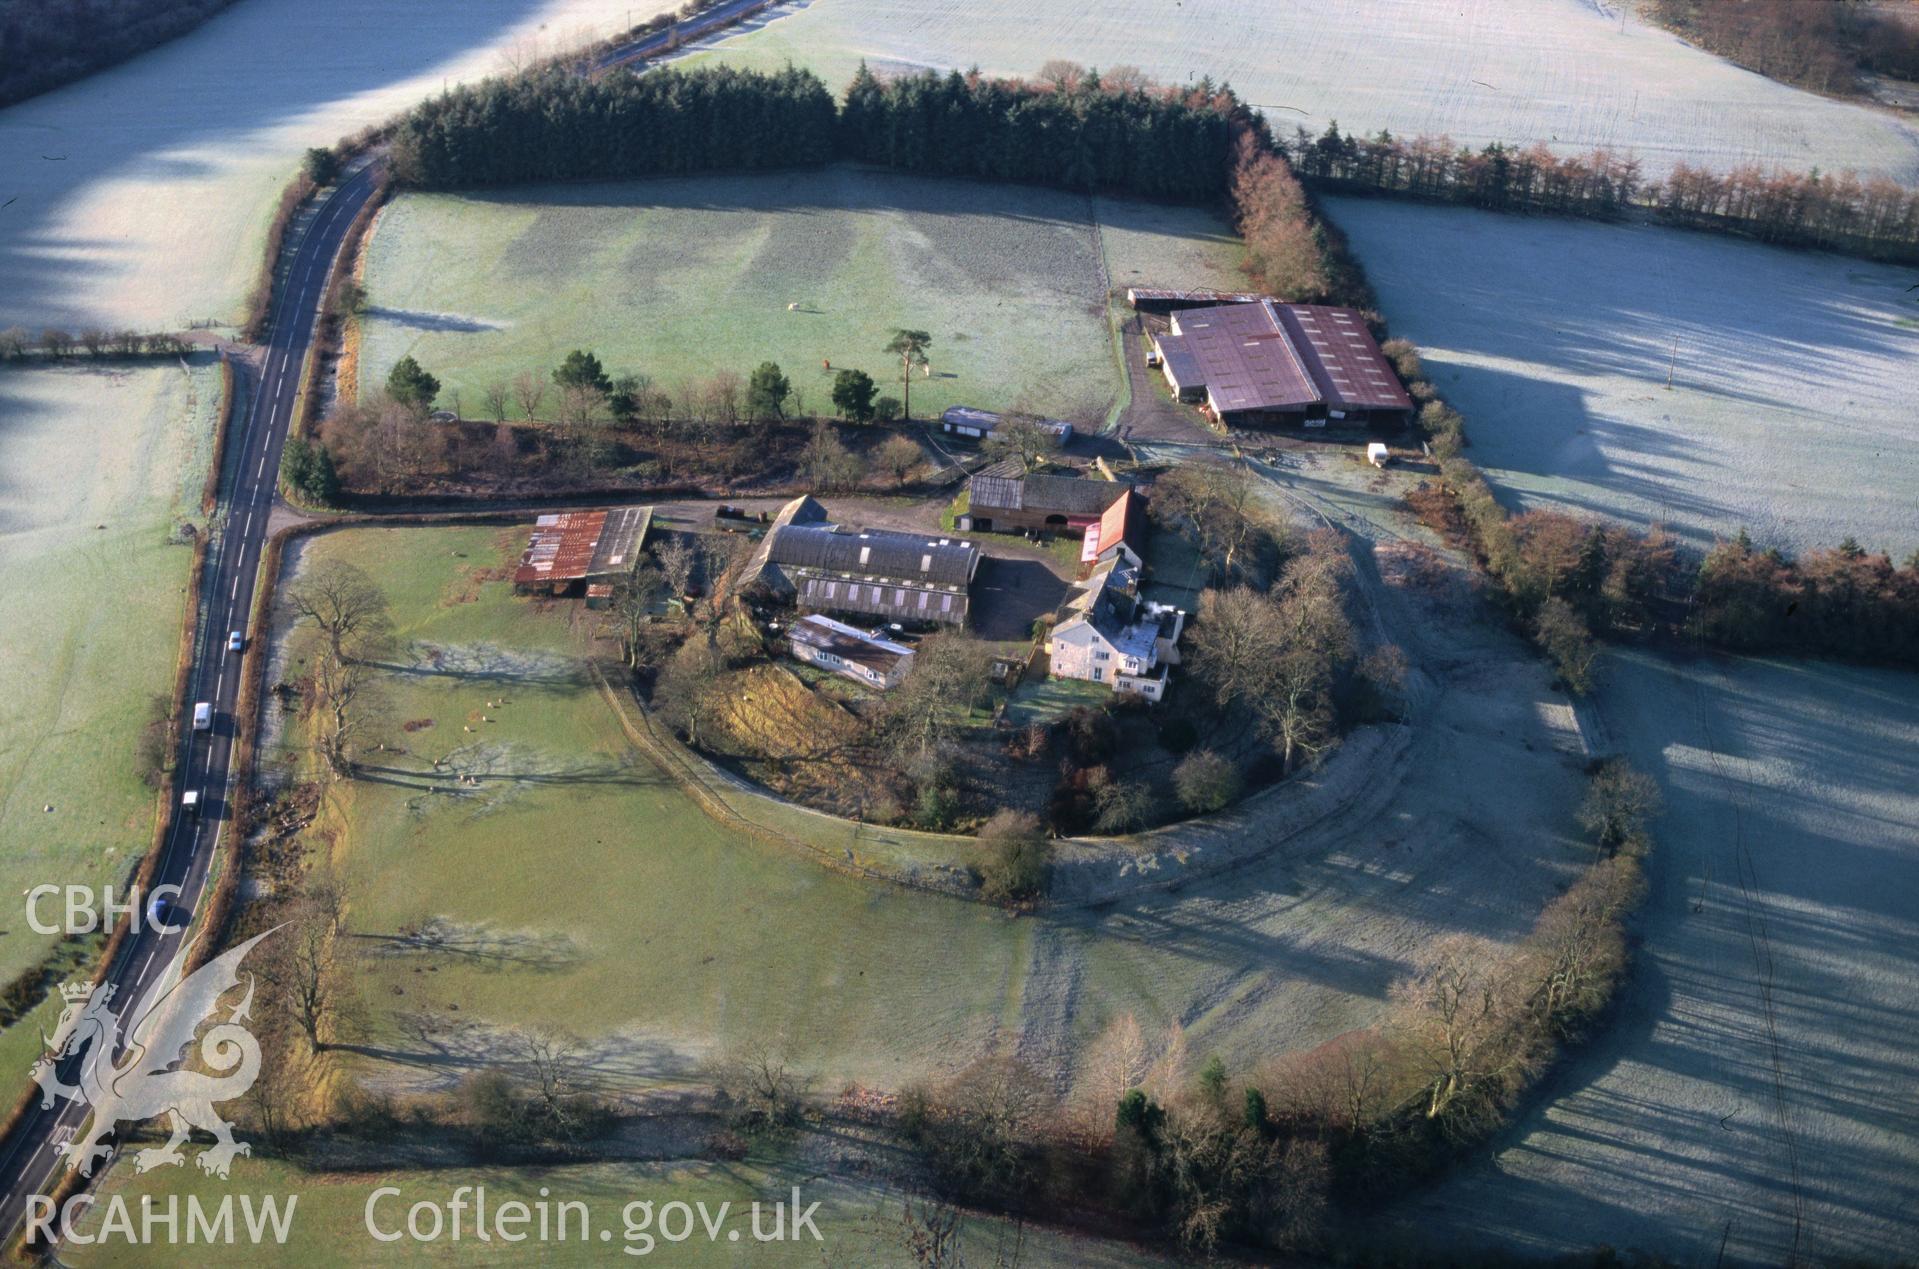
[1296, 364]
[571, 546]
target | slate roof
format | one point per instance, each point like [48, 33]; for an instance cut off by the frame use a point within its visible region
[875, 553]
[1061, 495]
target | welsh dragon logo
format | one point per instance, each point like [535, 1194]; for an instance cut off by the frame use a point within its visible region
[126, 1077]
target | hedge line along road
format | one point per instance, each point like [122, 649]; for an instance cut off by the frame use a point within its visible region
[30, 1163]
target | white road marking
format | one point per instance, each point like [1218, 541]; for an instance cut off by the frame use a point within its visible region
[66, 1123]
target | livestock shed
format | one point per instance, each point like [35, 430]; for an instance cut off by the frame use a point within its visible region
[1152, 299]
[905, 577]
[582, 549]
[998, 500]
[1290, 365]
[965, 420]
[843, 649]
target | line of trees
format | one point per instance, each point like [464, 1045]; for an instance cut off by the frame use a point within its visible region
[554, 125]
[1874, 217]
[1818, 46]
[46, 43]
[59, 344]
[1566, 579]
[1261, 1157]
[1837, 602]
[1071, 127]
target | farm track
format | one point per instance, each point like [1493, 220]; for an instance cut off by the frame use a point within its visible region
[1759, 940]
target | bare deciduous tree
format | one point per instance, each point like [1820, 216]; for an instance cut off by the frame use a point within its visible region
[299, 970]
[952, 673]
[678, 558]
[1619, 802]
[1215, 503]
[529, 390]
[688, 691]
[1116, 1063]
[346, 607]
[898, 457]
[1020, 437]
[762, 1090]
[1459, 1017]
[497, 395]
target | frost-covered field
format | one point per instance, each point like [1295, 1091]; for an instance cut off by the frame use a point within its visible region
[1791, 410]
[1574, 73]
[677, 279]
[94, 465]
[1757, 1086]
[140, 195]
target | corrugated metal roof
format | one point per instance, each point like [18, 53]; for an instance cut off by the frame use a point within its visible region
[1181, 363]
[569, 545]
[1344, 359]
[966, 416]
[561, 548]
[1269, 356]
[621, 537]
[1246, 358]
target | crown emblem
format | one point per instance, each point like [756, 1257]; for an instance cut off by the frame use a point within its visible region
[77, 993]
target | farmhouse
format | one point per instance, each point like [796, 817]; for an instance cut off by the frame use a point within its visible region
[999, 499]
[574, 549]
[1107, 634]
[838, 647]
[1289, 365]
[820, 567]
[964, 420]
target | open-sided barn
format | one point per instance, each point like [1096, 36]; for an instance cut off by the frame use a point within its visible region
[569, 548]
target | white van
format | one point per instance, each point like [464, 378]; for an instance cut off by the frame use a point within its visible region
[190, 801]
[203, 716]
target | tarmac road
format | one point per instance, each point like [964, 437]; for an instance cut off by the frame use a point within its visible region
[29, 1161]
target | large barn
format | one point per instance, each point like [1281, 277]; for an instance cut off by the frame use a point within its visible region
[571, 548]
[904, 577]
[1285, 365]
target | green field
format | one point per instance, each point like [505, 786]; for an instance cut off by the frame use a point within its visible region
[677, 279]
[98, 463]
[586, 891]
[858, 1222]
